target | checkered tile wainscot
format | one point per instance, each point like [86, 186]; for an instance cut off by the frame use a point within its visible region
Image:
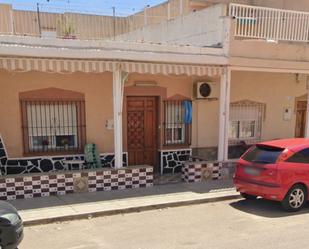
[41, 185]
[199, 171]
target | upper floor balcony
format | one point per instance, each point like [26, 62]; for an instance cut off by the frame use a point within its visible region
[268, 33]
[252, 22]
[240, 30]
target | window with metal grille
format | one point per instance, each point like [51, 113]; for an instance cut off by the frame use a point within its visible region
[177, 131]
[246, 118]
[54, 127]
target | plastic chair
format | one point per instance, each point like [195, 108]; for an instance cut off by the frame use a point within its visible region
[92, 157]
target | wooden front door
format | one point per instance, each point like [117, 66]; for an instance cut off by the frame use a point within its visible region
[142, 119]
[300, 118]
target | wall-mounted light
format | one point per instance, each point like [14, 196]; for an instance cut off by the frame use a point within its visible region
[146, 83]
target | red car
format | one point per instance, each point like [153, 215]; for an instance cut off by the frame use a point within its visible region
[276, 170]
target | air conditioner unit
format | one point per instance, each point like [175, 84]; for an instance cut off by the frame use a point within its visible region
[207, 90]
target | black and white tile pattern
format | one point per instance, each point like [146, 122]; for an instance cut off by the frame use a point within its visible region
[42, 164]
[61, 183]
[201, 171]
[173, 160]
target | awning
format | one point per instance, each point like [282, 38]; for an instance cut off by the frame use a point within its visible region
[170, 69]
[99, 66]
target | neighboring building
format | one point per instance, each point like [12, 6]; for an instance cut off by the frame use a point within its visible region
[132, 93]
[267, 60]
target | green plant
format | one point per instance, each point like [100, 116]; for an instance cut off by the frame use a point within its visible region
[64, 142]
[67, 26]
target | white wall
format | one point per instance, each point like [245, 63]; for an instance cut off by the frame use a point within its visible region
[201, 28]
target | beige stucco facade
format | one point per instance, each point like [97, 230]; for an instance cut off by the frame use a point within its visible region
[277, 91]
[202, 110]
[264, 71]
[98, 98]
[260, 49]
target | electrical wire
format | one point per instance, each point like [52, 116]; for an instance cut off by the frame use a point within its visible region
[122, 9]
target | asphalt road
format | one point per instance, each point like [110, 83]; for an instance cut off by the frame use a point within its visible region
[225, 225]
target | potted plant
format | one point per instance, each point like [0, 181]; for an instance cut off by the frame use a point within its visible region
[65, 143]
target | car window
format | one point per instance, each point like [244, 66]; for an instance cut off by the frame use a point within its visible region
[300, 157]
[263, 154]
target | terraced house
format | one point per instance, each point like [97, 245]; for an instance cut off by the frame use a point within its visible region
[181, 80]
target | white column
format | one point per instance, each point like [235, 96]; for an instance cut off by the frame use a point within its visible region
[181, 7]
[227, 114]
[307, 114]
[117, 100]
[224, 110]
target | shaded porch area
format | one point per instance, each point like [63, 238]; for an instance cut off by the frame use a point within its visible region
[65, 104]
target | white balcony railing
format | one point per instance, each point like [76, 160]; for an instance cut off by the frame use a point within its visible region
[270, 24]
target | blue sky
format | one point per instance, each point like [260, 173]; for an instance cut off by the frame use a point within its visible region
[123, 7]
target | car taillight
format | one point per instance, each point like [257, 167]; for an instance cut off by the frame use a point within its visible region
[285, 155]
[238, 165]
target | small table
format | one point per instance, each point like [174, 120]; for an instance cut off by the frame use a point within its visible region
[70, 163]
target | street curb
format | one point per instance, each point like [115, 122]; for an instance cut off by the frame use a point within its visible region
[90, 215]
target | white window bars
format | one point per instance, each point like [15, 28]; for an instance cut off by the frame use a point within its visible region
[245, 122]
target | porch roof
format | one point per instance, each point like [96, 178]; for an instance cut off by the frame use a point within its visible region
[50, 65]
[22, 54]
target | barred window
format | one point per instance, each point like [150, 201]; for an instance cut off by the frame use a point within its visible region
[243, 129]
[53, 126]
[246, 118]
[177, 123]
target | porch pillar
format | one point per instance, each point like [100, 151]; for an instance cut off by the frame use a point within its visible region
[117, 100]
[307, 114]
[225, 88]
[181, 7]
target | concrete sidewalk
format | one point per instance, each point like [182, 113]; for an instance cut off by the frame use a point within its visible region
[86, 205]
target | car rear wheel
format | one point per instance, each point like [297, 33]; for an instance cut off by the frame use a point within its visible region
[247, 196]
[295, 199]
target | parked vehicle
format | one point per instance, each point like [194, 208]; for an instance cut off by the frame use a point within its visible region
[276, 170]
[11, 227]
